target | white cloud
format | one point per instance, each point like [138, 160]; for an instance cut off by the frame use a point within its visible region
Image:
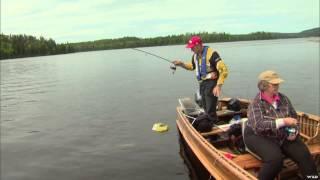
[83, 20]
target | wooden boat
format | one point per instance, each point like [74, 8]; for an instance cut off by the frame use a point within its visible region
[217, 159]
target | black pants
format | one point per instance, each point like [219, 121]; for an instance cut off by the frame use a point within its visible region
[209, 101]
[272, 155]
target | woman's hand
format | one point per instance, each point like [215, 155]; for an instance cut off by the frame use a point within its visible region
[289, 121]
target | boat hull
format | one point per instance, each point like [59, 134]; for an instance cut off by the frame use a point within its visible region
[214, 161]
[206, 161]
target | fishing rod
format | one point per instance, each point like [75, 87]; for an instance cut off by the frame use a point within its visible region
[307, 124]
[160, 57]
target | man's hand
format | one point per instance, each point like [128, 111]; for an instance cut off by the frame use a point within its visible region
[178, 63]
[217, 90]
[214, 75]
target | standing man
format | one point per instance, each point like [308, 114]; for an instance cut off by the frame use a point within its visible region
[210, 71]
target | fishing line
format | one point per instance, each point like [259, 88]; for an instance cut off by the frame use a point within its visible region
[152, 54]
[157, 56]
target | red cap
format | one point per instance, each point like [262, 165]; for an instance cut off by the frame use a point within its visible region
[194, 40]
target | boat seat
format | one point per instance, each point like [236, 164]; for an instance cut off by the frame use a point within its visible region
[217, 129]
[228, 112]
[249, 161]
[189, 107]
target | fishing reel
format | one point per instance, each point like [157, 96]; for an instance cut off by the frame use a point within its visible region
[291, 131]
[173, 68]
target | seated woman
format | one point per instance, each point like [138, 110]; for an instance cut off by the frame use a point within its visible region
[272, 130]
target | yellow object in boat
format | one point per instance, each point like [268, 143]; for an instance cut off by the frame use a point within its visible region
[160, 127]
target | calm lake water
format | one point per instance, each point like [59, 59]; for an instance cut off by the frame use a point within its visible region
[89, 115]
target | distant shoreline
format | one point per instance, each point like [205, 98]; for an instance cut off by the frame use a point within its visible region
[18, 46]
[315, 39]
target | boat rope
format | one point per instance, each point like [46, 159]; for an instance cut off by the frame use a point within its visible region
[193, 118]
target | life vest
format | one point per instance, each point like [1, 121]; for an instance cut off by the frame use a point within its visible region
[203, 67]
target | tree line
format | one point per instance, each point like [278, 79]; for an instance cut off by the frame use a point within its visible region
[132, 42]
[15, 46]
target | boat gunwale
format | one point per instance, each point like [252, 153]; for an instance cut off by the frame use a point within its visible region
[228, 164]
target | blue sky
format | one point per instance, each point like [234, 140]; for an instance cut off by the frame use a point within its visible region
[87, 20]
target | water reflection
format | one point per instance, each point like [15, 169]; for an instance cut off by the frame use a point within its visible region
[195, 168]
